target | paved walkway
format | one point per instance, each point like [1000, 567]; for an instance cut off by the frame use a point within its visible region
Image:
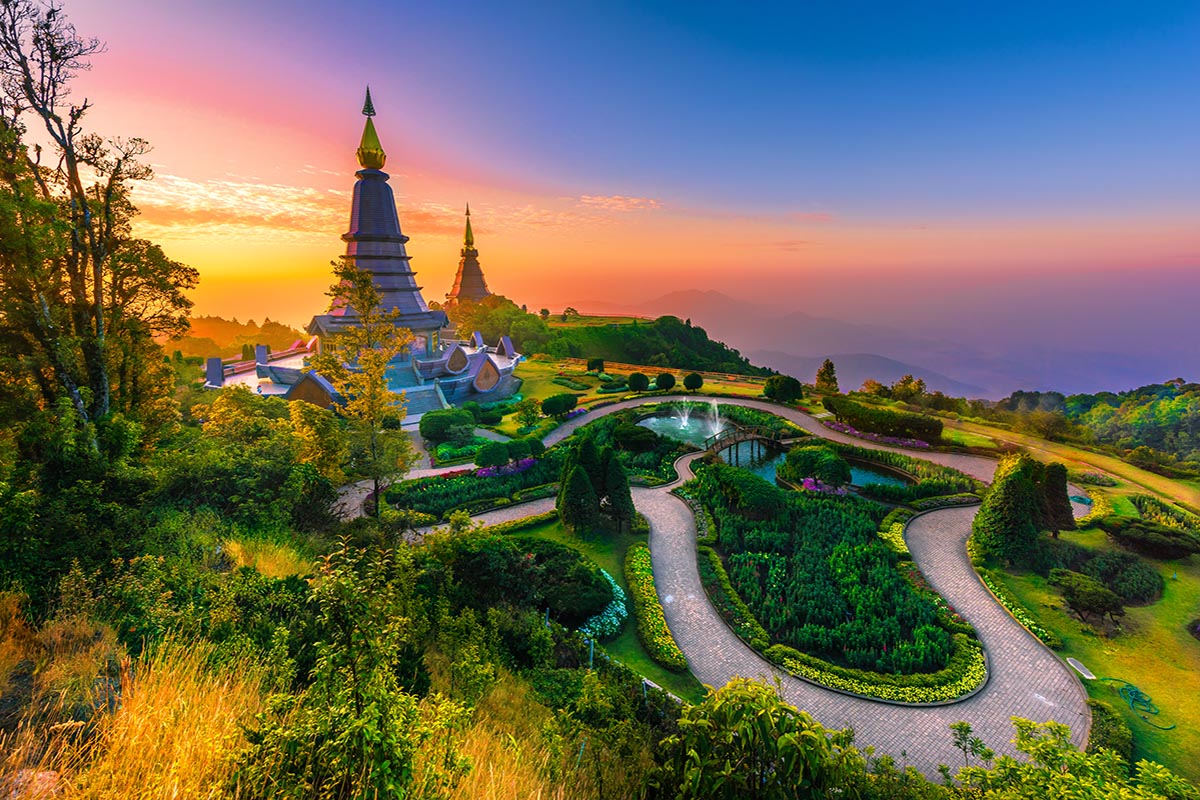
[1026, 679]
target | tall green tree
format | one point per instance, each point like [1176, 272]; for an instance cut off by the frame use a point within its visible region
[79, 297]
[1006, 523]
[578, 506]
[827, 378]
[1059, 516]
[355, 362]
[618, 501]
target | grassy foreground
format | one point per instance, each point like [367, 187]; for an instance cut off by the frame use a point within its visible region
[1153, 651]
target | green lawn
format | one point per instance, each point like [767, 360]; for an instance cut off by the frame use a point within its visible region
[965, 438]
[1186, 492]
[1153, 651]
[609, 552]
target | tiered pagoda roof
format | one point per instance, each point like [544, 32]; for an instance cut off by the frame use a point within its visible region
[468, 283]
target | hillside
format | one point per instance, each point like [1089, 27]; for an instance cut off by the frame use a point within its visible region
[217, 336]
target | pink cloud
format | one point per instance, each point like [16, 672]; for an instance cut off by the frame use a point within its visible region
[618, 202]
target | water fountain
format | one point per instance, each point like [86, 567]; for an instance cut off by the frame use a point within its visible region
[683, 411]
[714, 422]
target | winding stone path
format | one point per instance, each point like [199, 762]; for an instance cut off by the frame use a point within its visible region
[1026, 679]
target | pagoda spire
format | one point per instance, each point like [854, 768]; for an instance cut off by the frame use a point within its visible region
[469, 236]
[469, 283]
[370, 151]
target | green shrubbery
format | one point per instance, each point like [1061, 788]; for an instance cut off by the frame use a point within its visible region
[1149, 538]
[814, 461]
[808, 591]
[440, 495]
[651, 624]
[886, 422]
[1019, 612]
[1109, 731]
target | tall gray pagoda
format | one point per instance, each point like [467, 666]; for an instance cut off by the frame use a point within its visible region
[468, 283]
[375, 243]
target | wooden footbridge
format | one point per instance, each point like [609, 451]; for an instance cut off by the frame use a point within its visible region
[759, 435]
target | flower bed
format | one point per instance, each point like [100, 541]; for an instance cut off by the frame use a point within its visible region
[966, 673]
[815, 485]
[651, 623]
[893, 537]
[1018, 611]
[841, 427]
[1101, 508]
[732, 608]
[512, 468]
[608, 622]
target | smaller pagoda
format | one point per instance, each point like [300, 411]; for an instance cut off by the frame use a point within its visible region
[469, 284]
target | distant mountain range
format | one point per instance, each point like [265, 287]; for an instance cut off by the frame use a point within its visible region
[793, 341]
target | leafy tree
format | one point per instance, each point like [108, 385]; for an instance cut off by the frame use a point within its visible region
[1086, 595]
[595, 365]
[492, 454]
[693, 381]
[827, 378]
[529, 412]
[664, 382]
[783, 388]
[355, 362]
[354, 732]
[638, 382]
[519, 449]
[743, 741]
[816, 462]
[908, 388]
[80, 300]
[544, 313]
[529, 334]
[970, 744]
[322, 439]
[874, 387]
[1055, 768]
[437, 426]
[578, 506]
[559, 405]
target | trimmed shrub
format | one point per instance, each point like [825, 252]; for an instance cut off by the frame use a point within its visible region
[492, 454]
[885, 421]
[517, 449]
[570, 383]
[651, 623]
[1109, 731]
[1127, 575]
[783, 388]
[559, 405]
[638, 382]
[693, 381]
[437, 426]
[665, 382]
[1150, 538]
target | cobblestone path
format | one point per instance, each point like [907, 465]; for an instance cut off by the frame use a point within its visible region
[1026, 679]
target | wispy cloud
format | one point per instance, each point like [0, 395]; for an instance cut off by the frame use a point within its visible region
[619, 202]
[811, 216]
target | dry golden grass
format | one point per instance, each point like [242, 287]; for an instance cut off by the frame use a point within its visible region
[172, 735]
[271, 559]
[509, 757]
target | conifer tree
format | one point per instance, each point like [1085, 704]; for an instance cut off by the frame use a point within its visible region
[619, 500]
[827, 378]
[1059, 516]
[1005, 525]
[578, 506]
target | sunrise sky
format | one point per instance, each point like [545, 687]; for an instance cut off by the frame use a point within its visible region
[612, 152]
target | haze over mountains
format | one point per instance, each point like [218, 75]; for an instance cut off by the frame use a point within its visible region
[1103, 338]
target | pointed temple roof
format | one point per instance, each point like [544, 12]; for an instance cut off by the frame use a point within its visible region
[376, 243]
[468, 282]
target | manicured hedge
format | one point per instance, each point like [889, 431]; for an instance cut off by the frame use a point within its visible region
[651, 623]
[945, 501]
[965, 672]
[885, 421]
[562, 380]
[891, 531]
[440, 495]
[731, 608]
[1109, 731]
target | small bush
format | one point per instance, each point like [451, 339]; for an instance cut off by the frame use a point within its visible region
[1127, 575]
[1109, 731]
[665, 382]
[1150, 538]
